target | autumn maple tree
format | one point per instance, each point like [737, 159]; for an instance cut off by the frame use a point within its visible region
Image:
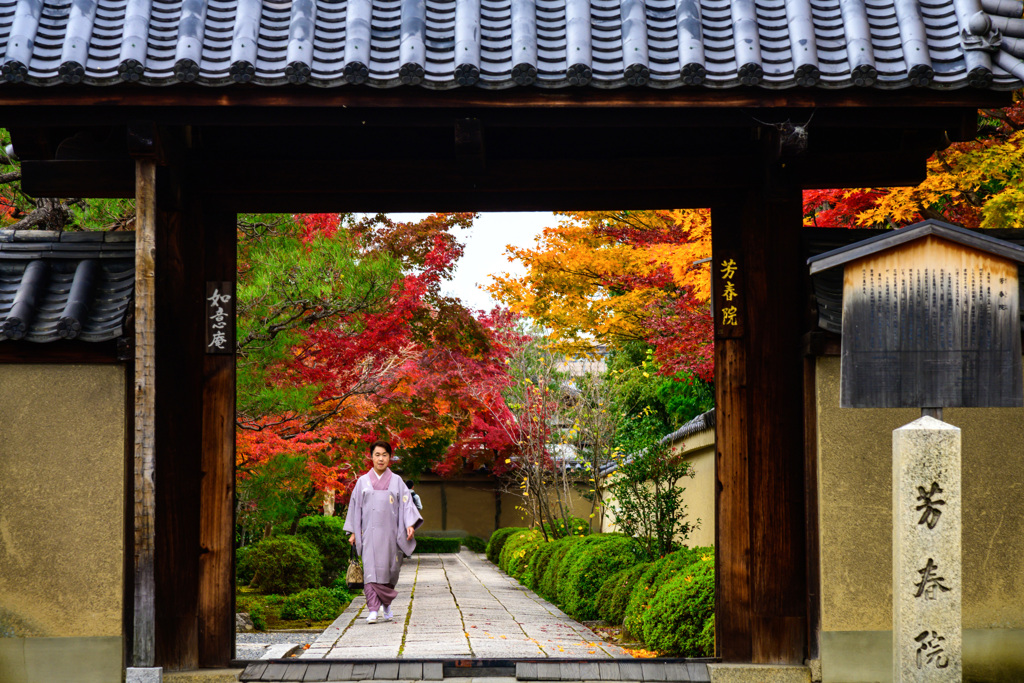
[622, 276]
[344, 337]
[972, 184]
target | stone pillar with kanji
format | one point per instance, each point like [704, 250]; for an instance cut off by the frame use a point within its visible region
[931, 320]
[926, 559]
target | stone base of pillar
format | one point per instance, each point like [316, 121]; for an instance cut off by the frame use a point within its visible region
[138, 674]
[759, 673]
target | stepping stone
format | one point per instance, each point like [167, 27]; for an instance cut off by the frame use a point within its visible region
[280, 651]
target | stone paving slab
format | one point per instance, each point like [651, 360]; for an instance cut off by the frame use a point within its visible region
[460, 605]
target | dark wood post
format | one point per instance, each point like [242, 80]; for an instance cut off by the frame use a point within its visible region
[217, 522]
[758, 284]
[179, 406]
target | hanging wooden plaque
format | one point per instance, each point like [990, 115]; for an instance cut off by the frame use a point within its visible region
[931, 322]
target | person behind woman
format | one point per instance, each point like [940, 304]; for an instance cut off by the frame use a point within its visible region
[381, 520]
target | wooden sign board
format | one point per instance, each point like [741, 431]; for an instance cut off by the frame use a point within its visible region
[931, 323]
[220, 317]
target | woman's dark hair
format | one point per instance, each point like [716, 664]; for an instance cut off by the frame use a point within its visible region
[383, 444]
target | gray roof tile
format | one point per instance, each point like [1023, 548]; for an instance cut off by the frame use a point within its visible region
[443, 44]
[39, 273]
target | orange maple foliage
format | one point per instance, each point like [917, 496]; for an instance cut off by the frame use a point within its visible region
[614, 276]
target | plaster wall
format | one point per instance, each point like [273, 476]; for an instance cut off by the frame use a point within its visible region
[62, 470]
[855, 518]
[699, 497]
[471, 507]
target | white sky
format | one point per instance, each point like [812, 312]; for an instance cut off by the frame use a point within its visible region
[485, 251]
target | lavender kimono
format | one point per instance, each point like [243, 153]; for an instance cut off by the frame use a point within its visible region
[378, 513]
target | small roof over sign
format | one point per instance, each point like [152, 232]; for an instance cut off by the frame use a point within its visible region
[947, 231]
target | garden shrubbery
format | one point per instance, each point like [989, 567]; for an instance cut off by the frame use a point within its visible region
[548, 586]
[614, 594]
[590, 570]
[285, 564]
[668, 603]
[475, 544]
[651, 580]
[428, 544]
[560, 528]
[539, 562]
[675, 623]
[498, 539]
[314, 604]
[517, 552]
[329, 537]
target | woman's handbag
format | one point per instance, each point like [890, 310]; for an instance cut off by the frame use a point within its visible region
[354, 575]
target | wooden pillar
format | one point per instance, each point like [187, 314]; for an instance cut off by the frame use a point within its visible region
[759, 300]
[217, 522]
[144, 465]
[179, 409]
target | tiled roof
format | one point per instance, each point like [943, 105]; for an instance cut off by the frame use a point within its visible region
[71, 285]
[443, 44]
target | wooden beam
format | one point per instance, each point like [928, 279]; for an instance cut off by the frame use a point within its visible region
[217, 492]
[762, 600]
[63, 352]
[128, 98]
[144, 636]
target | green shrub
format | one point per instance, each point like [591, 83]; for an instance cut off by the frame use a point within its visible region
[428, 544]
[286, 564]
[329, 537]
[574, 526]
[599, 556]
[540, 560]
[475, 544]
[614, 594]
[258, 614]
[498, 539]
[654, 578]
[706, 640]
[243, 565]
[315, 604]
[517, 552]
[548, 584]
[257, 607]
[675, 622]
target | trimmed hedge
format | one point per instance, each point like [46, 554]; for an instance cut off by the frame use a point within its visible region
[475, 544]
[654, 578]
[428, 544]
[614, 594]
[590, 570]
[540, 560]
[517, 552]
[561, 528]
[498, 539]
[676, 620]
[286, 564]
[582, 550]
[548, 586]
[328, 535]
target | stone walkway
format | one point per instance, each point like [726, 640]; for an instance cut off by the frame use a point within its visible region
[460, 605]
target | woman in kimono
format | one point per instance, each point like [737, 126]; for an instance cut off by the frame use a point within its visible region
[381, 520]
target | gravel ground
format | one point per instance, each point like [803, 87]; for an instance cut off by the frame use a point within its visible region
[253, 645]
